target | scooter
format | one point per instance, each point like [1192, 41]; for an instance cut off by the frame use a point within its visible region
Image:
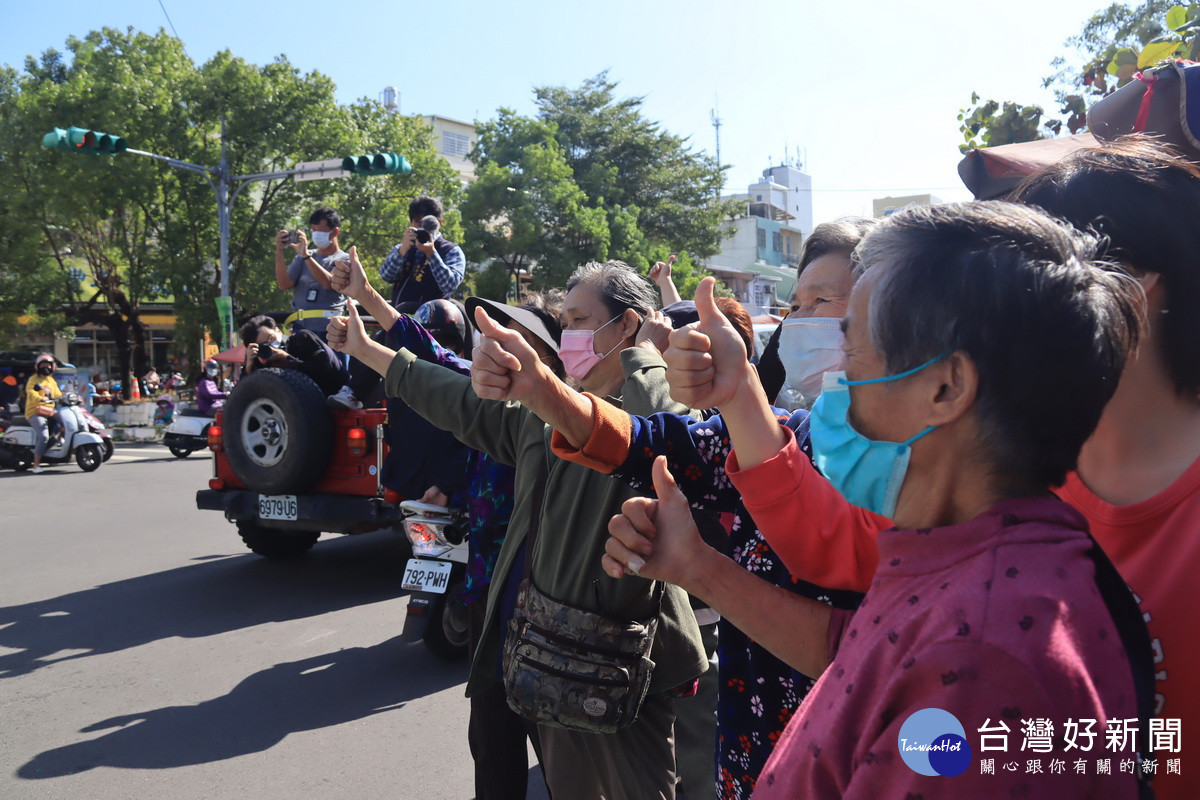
[92, 423]
[436, 577]
[188, 432]
[87, 448]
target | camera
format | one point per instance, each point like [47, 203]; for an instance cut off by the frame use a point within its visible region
[293, 237]
[424, 236]
[265, 351]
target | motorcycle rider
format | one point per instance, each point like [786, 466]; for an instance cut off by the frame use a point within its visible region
[40, 393]
[209, 396]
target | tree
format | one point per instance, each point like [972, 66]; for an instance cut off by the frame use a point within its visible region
[588, 177]
[138, 229]
[1114, 45]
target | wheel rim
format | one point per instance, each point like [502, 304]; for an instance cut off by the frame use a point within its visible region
[264, 432]
[91, 456]
[455, 622]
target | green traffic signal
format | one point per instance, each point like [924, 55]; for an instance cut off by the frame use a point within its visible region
[83, 140]
[376, 164]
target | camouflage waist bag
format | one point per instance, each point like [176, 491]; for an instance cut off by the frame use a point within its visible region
[574, 669]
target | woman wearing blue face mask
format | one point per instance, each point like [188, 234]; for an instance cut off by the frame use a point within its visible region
[987, 603]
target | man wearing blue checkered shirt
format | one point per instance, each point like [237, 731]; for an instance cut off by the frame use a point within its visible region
[423, 271]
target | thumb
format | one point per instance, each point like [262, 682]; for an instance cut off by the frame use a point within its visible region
[354, 252]
[352, 312]
[487, 326]
[664, 484]
[706, 304]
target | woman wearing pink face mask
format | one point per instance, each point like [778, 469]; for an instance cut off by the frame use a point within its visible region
[603, 310]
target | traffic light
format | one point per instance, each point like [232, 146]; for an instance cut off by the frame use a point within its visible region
[82, 140]
[376, 164]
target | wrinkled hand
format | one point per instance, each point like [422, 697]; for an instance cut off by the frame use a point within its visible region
[661, 272]
[655, 539]
[435, 497]
[346, 334]
[706, 361]
[348, 276]
[655, 333]
[503, 365]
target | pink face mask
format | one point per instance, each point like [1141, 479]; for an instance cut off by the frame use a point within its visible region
[578, 351]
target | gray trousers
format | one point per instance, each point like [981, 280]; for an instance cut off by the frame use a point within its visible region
[637, 763]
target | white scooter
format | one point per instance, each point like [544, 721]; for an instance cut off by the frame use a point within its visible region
[188, 432]
[435, 578]
[87, 448]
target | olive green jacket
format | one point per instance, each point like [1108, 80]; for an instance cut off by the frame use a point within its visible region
[573, 521]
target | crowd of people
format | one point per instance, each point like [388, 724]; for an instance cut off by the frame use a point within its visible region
[961, 478]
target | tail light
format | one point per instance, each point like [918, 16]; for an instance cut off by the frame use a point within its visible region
[216, 483]
[216, 441]
[356, 441]
[426, 535]
[391, 496]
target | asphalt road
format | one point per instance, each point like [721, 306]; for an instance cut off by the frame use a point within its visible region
[144, 653]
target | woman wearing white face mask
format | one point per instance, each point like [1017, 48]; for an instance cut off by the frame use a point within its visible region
[809, 342]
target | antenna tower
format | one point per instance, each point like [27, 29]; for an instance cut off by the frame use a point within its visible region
[716, 123]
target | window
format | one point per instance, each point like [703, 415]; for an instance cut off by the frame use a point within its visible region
[455, 144]
[762, 238]
[777, 241]
[759, 196]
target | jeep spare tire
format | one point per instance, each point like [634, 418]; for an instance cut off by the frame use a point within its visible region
[278, 433]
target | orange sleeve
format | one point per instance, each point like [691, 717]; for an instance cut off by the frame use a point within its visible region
[608, 445]
[820, 537]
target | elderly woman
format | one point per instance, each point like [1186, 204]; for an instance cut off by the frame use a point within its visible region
[985, 605]
[602, 312]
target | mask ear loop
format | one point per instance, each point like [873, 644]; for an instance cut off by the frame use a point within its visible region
[898, 375]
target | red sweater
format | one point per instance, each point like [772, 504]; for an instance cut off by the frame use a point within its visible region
[995, 620]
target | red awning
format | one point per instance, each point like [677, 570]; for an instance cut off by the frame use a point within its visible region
[234, 355]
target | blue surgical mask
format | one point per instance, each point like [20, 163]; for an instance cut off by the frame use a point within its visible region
[867, 473]
[321, 239]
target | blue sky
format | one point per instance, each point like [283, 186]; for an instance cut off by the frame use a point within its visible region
[867, 92]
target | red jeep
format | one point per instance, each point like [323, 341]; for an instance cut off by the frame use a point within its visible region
[286, 467]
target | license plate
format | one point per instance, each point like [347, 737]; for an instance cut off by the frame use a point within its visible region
[423, 575]
[279, 506]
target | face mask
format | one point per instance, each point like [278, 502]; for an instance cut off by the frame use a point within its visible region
[211, 372]
[867, 473]
[808, 348]
[44, 369]
[277, 337]
[578, 352]
[321, 238]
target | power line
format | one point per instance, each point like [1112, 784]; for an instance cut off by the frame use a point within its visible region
[172, 24]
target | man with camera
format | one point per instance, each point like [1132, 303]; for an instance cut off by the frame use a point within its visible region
[307, 275]
[425, 265]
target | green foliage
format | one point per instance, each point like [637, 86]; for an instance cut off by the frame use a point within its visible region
[1114, 45]
[141, 226]
[493, 282]
[587, 178]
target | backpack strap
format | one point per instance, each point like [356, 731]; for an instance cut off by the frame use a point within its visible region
[1131, 626]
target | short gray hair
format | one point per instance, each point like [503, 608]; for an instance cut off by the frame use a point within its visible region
[1020, 294]
[619, 285]
[840, 236]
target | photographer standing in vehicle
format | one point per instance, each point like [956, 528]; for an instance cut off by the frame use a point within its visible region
[307, 275]
[425, 265]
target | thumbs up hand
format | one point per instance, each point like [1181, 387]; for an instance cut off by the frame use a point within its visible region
[503, 365]
[706, 361]
[346, 334]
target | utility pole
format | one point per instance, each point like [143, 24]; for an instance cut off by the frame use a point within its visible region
[716, 123]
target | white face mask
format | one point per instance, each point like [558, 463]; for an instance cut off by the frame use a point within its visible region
[321, 238]
[808, 347]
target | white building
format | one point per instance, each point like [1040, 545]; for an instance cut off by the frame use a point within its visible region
[454, 140]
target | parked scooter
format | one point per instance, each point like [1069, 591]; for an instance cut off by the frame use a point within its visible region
[188, 432]
[87, 448]
[435, 578]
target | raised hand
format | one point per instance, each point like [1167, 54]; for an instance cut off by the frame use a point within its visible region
[655, 539]
[706, 361]
[346, 334]
[348, 276]
[654, 332]
[503, 365]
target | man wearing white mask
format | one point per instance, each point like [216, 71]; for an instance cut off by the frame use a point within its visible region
[307, 275]
[809, 341]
